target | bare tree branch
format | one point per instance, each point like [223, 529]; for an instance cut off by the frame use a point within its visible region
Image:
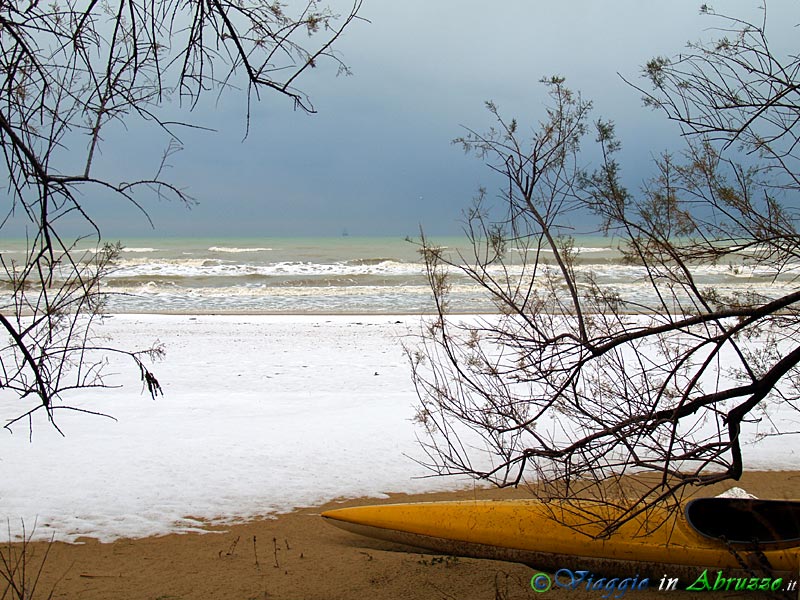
[68, 73]
[577, 386]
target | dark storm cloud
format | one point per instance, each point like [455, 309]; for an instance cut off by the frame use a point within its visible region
[377, 158]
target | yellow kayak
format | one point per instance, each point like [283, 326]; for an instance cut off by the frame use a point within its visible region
[736, 535]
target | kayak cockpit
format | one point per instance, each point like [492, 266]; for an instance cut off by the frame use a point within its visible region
[745, 520]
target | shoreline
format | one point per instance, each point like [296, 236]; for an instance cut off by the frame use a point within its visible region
[297, 555]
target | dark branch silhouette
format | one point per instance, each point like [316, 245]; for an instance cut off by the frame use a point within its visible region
[583, 388]
[69, 72]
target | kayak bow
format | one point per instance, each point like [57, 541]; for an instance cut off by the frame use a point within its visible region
[740, 535]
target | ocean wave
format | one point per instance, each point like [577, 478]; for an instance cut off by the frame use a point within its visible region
[370, 261]
[234, 250]
[329, 276]
[579, 250]
[218, 268]
[255, 281]
[604, 271]
[99, 248]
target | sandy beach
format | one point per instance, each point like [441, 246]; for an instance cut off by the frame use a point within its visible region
[298, 555]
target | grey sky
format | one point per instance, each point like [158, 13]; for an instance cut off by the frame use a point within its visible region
[377, 158]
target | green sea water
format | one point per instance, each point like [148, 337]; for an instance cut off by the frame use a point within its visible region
[348, 274]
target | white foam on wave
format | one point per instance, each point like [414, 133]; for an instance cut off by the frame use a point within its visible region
[234, 250]
[581, 250]
[218, 268]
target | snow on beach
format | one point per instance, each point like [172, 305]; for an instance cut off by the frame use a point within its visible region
[261, 414]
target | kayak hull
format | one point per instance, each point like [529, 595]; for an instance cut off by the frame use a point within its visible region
[543, 561]
[550, 536]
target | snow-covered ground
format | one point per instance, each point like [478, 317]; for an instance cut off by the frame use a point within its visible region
[261, 414]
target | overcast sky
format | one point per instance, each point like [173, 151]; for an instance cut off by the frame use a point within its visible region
[377, 158]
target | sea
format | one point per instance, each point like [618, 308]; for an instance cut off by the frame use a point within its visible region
[353, 275]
